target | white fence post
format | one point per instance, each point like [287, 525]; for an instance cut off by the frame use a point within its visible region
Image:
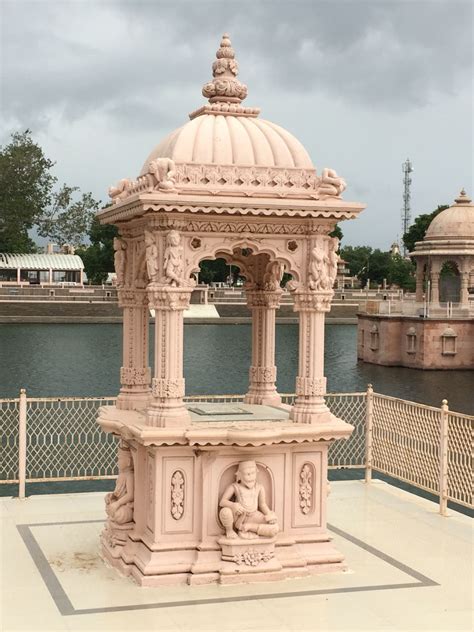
[443, 459]
[369, 416]
[22, 445]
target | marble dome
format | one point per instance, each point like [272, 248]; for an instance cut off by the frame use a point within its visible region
[455, 222]
[232, 140]
[224, 132]
[225, 149]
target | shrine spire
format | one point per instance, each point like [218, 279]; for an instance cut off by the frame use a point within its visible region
[225, 87]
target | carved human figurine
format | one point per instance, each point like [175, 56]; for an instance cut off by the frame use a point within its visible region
[272, 278]
[332, 260]
[120, 191]
[244, 512]
[151, 253]
[119, 259]
[331, 184]
[174, 259]
[119, 503]
[161, 174]
[317, 269]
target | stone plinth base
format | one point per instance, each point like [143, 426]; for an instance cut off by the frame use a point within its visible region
[180, 477]
[288, 561]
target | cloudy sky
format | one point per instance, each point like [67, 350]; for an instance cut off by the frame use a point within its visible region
[363, 85]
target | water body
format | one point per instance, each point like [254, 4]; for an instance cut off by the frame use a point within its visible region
[84, 360]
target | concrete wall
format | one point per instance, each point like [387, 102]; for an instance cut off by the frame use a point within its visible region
[416, 342]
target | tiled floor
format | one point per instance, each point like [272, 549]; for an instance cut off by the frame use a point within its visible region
[410, 569]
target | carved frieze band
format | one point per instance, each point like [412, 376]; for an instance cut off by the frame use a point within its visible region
[329, 212]
[177, 494]
[306, 488]
[168, 298]
[311, 387]
[135, 376]
[169, 389]
[265, 374]
[262, 298]
[313, 301]
[129, 297]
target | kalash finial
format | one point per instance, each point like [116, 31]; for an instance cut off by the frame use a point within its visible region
[225, 87]
[463, 198]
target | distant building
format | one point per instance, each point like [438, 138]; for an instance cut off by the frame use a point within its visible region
[36, 269]
[394, 249]
[343, 278]
[436, 331]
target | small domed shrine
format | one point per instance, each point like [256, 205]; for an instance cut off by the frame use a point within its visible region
[436, 331]
[448, 240]
[219, 492]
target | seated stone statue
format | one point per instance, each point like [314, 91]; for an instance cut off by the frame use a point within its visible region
[244, 512]
[119, 503]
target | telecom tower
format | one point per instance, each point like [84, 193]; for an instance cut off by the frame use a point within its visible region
[406, 217]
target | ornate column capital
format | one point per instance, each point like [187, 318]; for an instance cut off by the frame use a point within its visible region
[132, 297]
[311, 301]
[166, 297]
[167, 388]
[269, 299]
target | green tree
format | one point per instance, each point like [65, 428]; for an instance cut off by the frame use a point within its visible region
[418, 229]
[357, 258]
[98, 258]
[337, 232]
[401, 273]
[68, 220]
[25, 191]
[216, 270]
[27, 199]
[378, 267]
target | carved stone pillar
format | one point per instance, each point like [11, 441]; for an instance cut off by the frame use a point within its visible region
[420, 276]
[464, 298]
[262, 373]
[166, 405]
[309, 406]
[135, 374]
[434, 277]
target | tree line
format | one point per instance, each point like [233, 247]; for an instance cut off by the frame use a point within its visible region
[31, 200]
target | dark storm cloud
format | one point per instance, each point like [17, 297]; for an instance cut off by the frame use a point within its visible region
[72, 58]
[362, 84]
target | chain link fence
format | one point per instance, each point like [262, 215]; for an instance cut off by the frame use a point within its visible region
[57, 439]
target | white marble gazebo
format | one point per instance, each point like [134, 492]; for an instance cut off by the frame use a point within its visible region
[212, 493]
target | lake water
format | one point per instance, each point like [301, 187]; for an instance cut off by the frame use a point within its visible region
[84, 360]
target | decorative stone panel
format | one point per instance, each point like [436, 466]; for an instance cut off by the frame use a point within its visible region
[177, 494]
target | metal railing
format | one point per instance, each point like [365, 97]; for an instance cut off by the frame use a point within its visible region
[58, 439]
[410, 307]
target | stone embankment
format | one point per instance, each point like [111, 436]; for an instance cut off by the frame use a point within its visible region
[93, 311]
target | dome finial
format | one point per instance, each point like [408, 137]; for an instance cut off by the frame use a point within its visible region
[463, 198]
[225, 87]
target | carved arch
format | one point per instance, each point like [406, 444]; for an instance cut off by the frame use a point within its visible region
[229, 250]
